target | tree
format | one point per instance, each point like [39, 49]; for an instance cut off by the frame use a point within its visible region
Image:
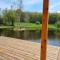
[53, 18]
[1, 20]
[9, 17]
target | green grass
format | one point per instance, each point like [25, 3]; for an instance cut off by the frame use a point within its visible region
[51, 26]
[34, 26]
[6, 27]
[30, 26]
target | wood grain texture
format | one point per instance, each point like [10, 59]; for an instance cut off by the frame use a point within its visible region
[17, 49]
[44, 34]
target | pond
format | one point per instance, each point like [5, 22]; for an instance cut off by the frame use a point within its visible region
[33, 35]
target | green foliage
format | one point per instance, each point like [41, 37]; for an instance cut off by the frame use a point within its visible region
[58, 24]
[1, 20]
[9, 17]
[53, 18]
[34, 17]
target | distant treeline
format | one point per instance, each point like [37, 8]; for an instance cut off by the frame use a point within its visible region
[8, 17]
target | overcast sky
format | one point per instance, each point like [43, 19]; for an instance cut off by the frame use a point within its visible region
[31, 5]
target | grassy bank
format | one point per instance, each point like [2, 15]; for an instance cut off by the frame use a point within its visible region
[34, 26]
[1, 27]
[30, 26]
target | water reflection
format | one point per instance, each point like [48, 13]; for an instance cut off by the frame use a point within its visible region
[32, 35]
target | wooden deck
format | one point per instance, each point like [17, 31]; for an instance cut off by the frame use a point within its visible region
[16, 49]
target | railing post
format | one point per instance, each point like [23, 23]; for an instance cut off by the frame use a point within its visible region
[44, 34]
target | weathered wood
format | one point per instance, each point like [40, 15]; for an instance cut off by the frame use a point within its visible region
[17, 49]
[44, 29]
[58, 57]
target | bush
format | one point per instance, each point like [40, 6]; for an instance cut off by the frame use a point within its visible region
[58, 24]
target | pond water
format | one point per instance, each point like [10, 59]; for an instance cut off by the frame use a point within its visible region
[33, 35]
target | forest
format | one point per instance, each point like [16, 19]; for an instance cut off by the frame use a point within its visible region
[9, 17]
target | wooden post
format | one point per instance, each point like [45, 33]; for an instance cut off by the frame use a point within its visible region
[44, 34]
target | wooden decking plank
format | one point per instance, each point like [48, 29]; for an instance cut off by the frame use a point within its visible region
[58, 57]
[17, 49]
[19, 52]
[7, 57]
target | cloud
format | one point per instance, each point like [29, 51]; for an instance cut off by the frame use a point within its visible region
[54, 6]
[31, 5]
[26, 2]
[31, 2]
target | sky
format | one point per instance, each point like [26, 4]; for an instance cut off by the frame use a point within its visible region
[31, 5]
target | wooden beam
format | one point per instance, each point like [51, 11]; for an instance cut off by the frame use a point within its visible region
[44, 34]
